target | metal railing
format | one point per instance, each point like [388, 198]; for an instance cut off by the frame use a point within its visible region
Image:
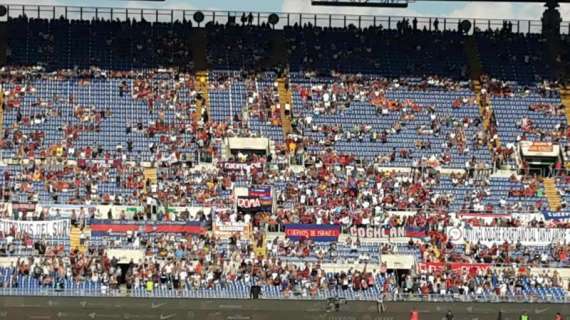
[259, 18]
[243, 295]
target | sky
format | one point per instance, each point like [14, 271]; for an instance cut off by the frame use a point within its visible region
[431, 9]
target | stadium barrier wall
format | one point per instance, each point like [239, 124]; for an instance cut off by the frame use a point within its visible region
[78, 308]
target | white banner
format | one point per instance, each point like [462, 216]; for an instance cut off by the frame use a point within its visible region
[192, 211]
[5, 209]
[102, 211]
[539, 149]
[237, 166]
[52, 228]
[226, 230]
[489, 217]
[65, 210]
[496, 235]
[115, 212]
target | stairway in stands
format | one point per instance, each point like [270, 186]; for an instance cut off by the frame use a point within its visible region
[199, 47]
[477, 89]
[552, 194]
[485, 111]
[1, 111]
[279, 56]
[553, 51]
[473, 57]
[150, 174]
[261, 251]
[3, 43]
[285, 98]
[202, 86]
[475, 71]
[565, 98]
[75, 238]
[474, 61]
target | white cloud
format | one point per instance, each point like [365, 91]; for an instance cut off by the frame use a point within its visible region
[456, 10]
[305, 6]
[499, 11]
[531, 11]
[382, 15]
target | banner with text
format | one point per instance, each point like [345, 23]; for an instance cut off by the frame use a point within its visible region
[36, 229]
[66, 210]
[23, 207]
[472, 268]
[260, 191]
[556, 215]
[489, 217]
[110, 227]
[238, 166]
[315, 232]
[483, 215]
[225, 230]
[539, 149]
[5, 209]
[496, 235]
[254, 204]
[380, 232]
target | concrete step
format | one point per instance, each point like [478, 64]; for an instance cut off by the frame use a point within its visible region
[202, 86]
[552, 194]
[75, 238]
[285, 98]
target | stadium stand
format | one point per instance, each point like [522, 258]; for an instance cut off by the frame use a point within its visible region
[173, 160]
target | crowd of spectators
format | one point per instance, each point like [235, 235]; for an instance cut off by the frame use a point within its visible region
[54, 165]
[207, 268]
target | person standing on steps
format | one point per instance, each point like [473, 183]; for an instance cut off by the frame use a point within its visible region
[380, 302]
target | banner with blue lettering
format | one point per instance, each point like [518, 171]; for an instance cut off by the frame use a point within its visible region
[260, 191]
[379, 232]
[548, 215]
[315, 232]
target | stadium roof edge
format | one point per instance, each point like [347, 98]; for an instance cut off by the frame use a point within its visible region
[285, 18]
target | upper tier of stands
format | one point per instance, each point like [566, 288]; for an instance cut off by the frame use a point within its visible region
[408, 51]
